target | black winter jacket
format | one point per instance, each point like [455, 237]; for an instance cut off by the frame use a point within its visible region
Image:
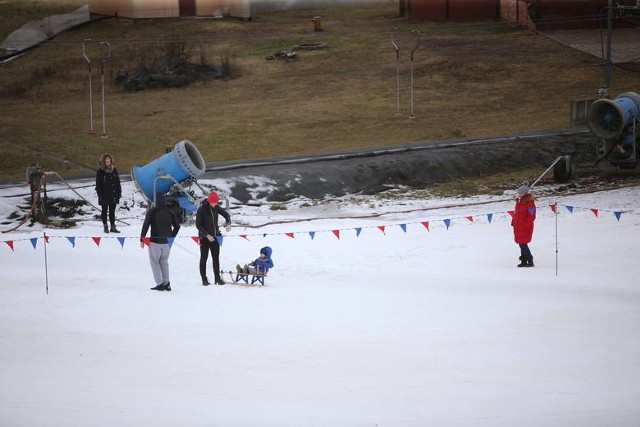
[207, 219]
[108, 186]
[163, 222]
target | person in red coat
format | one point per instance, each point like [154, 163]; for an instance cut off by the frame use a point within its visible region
[522, 223]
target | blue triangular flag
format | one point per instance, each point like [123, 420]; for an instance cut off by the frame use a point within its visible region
[312, 234]
[72, 240]
[489, 217]
[404, 227]
[358, 231]
[219, 239]
[447, 222]
[618, 215]
[570, 209]
[171, 239]
[121, 240]
[34, 242]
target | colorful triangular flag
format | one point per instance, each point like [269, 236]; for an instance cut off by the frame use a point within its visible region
[618, 215]
[489, 217]
[34, 242]
[447, 222]
[595, 211]
[358, 231]
[96, 240]
[287, 234]
[426, 225]
[171, 239]
[72, 240]
[404, 227]
[121, 240]
[10, 244]
[381, 228]
[336, 233]
[312, 234]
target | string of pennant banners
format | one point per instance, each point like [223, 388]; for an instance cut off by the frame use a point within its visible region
[336, 232]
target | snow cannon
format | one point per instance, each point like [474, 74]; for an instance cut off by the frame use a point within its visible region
[617, 123]
[170, 174]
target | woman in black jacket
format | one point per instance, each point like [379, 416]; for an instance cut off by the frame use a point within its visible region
[109, 190]
[209, 231]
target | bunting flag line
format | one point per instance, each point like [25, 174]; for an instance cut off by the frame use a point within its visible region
[448, 222]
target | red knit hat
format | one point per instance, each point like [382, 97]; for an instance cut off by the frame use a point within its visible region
[213, 197]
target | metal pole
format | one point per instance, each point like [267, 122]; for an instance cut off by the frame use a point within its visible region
[84, 54]
[556, 215]
[413, 116]
[46, 264]
[397, 49]
[104, 119]
[607, 77]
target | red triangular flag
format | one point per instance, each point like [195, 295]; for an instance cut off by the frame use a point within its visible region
[244, 236]
[381, 228]
[554, 208]
[10, 243]
[290, 235]
[336, 233]
[196, 239]
[146, 240]
[46, 238]
[595, 211]
[470, 218]
[512, 213]
[426, 225]
[96, 240]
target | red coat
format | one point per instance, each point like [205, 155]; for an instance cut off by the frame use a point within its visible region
[523, 218]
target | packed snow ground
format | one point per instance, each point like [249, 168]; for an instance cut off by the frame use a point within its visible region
[391, 324]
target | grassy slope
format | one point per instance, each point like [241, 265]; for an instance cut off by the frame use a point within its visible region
[470, 80]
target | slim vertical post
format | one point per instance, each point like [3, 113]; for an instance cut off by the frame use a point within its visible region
[104, 119]
[84, 55]
[46, 264]
[413, 116]
[397, 50]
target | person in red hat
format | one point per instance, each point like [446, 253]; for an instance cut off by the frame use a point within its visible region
[208, 232]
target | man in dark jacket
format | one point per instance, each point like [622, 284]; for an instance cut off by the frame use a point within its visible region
[209, 232]
[164, 226]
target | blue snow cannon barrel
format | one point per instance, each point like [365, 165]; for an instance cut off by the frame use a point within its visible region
[180, 165]
[609, 117]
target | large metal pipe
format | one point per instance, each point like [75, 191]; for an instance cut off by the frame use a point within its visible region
[182, 164]
[609, 117]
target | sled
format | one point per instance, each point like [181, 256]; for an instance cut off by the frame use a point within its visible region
[256, 279]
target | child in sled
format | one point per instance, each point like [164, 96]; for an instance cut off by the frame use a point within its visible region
[261, 265]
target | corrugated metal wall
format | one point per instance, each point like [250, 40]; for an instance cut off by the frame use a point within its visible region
[539, 14]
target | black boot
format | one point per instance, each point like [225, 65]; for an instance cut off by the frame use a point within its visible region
[167, 286]
[205, 281]
[159, 287]
[113, 228]
[106, 229]
[530, 261]
[523, 262]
